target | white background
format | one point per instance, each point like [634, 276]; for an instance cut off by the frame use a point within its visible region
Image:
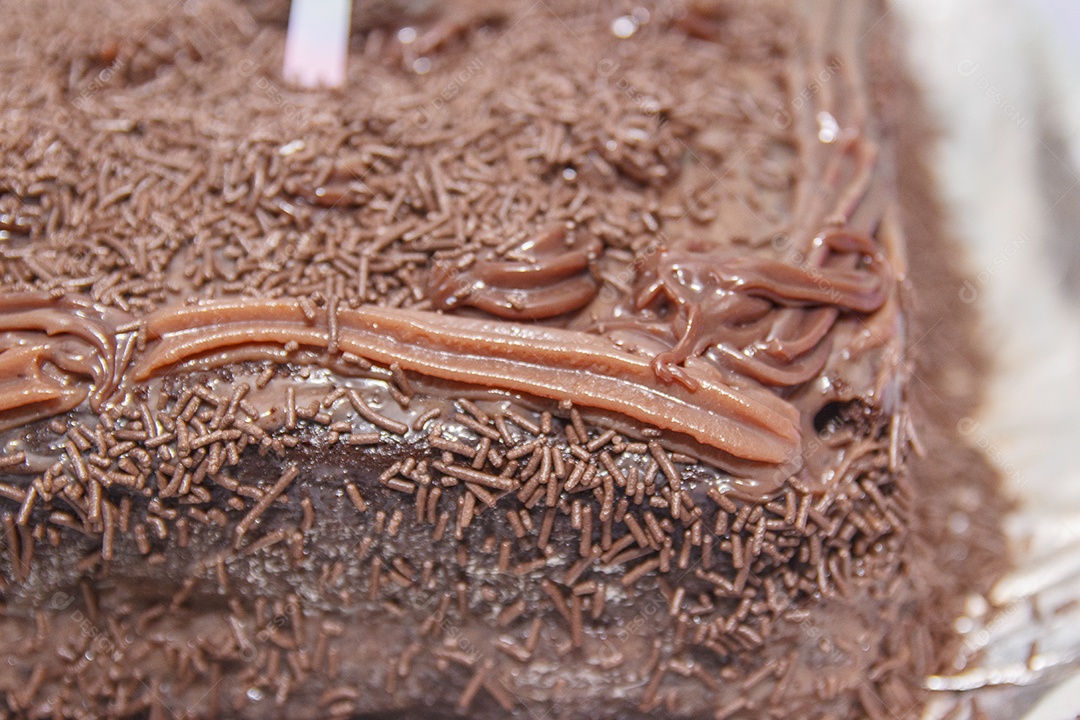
[1003, 78]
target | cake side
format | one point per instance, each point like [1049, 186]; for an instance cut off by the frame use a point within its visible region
[960, 548]
[591, 402]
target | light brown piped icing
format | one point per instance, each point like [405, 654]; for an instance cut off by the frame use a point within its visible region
[713, 293]
[546, 362]
[556, 279]
[56, 353]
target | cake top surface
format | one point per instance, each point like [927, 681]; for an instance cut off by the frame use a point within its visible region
[660, 227]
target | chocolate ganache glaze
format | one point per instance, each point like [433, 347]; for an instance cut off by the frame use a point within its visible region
[557, 364]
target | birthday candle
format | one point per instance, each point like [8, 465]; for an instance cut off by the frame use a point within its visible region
[317, 42]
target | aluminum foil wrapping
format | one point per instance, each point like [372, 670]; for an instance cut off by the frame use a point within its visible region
[1001, 77]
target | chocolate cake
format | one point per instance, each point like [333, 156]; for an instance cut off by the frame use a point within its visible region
[556, 366]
